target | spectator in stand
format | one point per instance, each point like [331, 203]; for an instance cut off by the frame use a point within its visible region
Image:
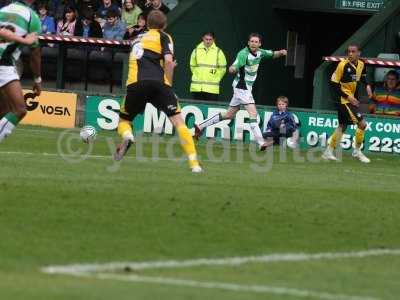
[57, 8]
[87, 26]
[48, 24]
[387, 97]
[139, 28]
[66, 26]
[208, 66]
[105, 6]
[130, 13]
[114, 28]
[155, 4]
[87, 5]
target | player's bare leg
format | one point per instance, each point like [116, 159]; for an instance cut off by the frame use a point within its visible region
[333, 143]
[5, 106]
[125, 130]
[12, 93]
[255, 129]
[229, 115]
[360, 132]
[187, 142]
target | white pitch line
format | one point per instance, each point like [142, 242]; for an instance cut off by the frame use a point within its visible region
[282, 291]
[53, 154]
[229, 261]
[109, 157]
[150, 159]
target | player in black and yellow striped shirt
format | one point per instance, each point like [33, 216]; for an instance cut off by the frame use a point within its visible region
[346, 78]
[151, 68]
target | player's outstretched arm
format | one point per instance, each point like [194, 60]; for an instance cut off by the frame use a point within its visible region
[10, 36]
[280, 53]
[232, 69]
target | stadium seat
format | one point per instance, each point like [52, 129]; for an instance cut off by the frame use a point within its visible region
[118, 65]
[75, 66]
[99, 65]
[49, 62]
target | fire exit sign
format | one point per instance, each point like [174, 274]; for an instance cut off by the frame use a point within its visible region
[368, 5]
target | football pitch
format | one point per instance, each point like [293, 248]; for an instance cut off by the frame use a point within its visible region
[76, 225]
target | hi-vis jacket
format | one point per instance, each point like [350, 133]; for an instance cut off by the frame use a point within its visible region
[208, 66]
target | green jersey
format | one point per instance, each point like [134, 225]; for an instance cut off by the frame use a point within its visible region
[247, 64]
[22, 20]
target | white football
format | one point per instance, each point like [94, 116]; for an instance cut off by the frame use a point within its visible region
[88, 134]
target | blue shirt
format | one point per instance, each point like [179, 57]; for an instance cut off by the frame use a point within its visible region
[85, 32]
[114, 32]
[48, 25]
[102, 10]
[279, 118]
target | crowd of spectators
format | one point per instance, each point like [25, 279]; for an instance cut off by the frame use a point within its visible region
[111, 19]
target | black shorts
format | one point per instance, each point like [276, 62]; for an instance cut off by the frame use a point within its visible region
[277, 135]
[142, 92]
[349, 114]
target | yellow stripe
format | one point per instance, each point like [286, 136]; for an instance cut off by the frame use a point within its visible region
[352, 116]
[122, 109]
[133, 72]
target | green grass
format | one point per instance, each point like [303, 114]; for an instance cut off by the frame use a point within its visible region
[55, 212]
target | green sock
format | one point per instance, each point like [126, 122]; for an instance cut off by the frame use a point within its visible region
[12, 118]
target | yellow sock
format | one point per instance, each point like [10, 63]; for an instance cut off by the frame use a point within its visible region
[336, 136]
[125, 128]
[359, 137]
[188, 145]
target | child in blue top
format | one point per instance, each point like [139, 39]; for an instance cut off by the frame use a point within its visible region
[48, 24]
[281, 125]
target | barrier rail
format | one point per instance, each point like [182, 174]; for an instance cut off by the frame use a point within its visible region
[381, 62]
[53, 38]
[86, 45]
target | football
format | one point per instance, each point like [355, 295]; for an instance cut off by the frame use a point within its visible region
[88, 134]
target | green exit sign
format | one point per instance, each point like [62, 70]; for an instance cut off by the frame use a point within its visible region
[368, 5]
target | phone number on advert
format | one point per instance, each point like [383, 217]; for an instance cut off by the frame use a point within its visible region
[375, 144]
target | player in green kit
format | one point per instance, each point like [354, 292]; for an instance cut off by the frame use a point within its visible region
[245, 67]
[20, 25]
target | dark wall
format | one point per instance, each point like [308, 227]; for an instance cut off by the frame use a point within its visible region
[320, 27]
[232, 21]
[378, 35]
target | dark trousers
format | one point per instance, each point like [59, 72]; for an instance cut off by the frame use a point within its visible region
[204, 96]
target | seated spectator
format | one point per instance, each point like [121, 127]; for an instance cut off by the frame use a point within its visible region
[155, 4]
[114, 28]
[48, 24]
[281, 125]
[133, 32]
[66, 26]
[130, 13]
[87, 26]
[105, 6]
[387, 97]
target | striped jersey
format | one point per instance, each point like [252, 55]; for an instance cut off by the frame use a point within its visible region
[22, 20]
[146, 61]
[247, 64]
[387, 102]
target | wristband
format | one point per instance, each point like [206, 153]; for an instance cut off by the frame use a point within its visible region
[37, 79]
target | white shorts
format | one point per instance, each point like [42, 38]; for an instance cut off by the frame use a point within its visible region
[241, 97]
[7, 74]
